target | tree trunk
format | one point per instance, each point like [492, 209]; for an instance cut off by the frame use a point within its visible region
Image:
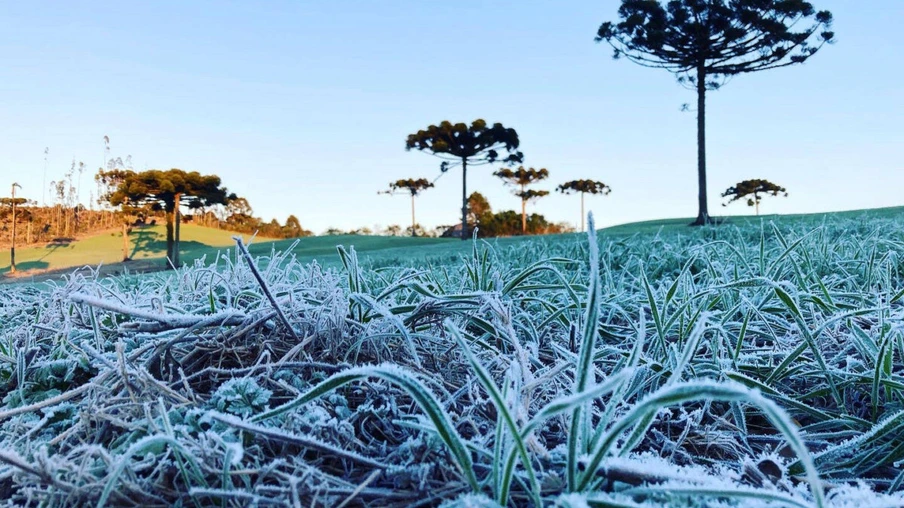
[178, 224]
[464, 199]
[756, 203]
[170, 239]
[413, 223]
[582, 213]
[28, 231]
[12, 247]
[703, 213]
[125, 241]
[523, 212]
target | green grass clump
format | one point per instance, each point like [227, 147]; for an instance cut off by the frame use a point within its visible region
[750, 364]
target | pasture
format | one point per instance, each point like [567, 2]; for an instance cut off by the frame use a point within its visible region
[750, 364]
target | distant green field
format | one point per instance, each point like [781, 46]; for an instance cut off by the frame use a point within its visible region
[197, 242]
[147, 243]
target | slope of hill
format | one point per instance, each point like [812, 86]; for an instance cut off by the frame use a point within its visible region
[149, 248]
[149, 244]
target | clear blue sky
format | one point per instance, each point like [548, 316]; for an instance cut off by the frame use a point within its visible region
[304, 106]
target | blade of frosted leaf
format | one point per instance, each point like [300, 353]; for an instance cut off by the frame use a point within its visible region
[809, 340]
[693, 391]
[654, 310]
[367, 300]
[499, 401]
[690, 348]
[788, 401]
[540, 267]
[741, 334]
[569, 402]
[137, 447]
[671, 291]
[737, 493]
[577, 434]
[420, 393]
[890, 426]
[305, 441]
[878, 372]
[619, 394]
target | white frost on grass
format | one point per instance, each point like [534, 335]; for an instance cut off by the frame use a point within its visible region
[118, 389]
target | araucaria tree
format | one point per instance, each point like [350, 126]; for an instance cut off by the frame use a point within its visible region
[413, 187]
[707, 42]
[753, 190]
[169, 191]
[521, 178]
[584, 187]
[108, 181]
[460, 144]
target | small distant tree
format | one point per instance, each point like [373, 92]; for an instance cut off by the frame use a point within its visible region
[13, 202]
[460, 144]
[584, 187]
[394, 230]
[753, 190]
[414, 187]
[238, 213]
[417, 230]
[521, 178]
[169, 191]
[293, 228]
[707, 42]
[478, 206]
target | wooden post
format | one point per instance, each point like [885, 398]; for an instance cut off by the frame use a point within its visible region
[12, 248]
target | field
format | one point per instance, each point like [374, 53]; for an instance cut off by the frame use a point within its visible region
[750, 364]
[148, 250]
[148, 246]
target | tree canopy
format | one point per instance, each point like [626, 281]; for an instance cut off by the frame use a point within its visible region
[723, 38]
[707, 42]
[522, 177]
[477, 206]
[753, 190]
[476, 144]
[163, 190]
[584, 187]
[12, 201]
[461, 144]
[412, 185]
[168, 191]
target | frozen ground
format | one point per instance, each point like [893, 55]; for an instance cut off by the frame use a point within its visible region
[719, 366]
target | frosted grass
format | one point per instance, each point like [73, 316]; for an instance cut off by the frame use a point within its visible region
[750, 366]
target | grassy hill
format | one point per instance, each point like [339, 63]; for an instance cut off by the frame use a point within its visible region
[149, 248]
[149, 244]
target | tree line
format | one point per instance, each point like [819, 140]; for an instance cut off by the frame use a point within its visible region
[704, 43]
[129, 198]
